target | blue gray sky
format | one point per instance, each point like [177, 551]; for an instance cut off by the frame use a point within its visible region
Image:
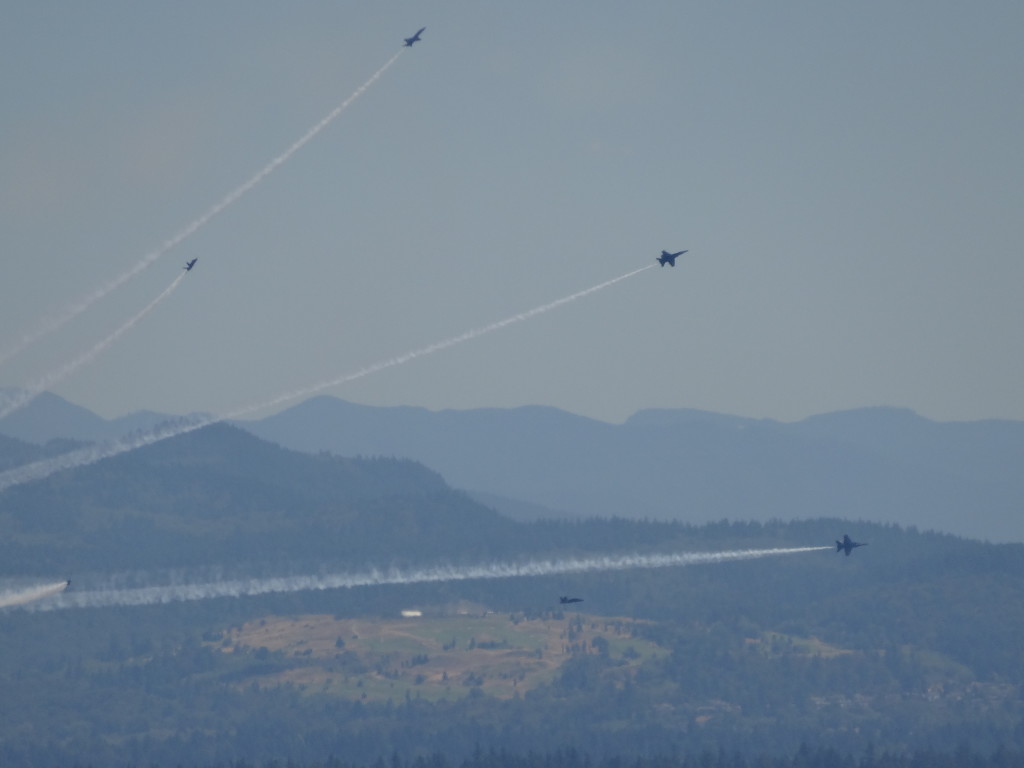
[848, 179]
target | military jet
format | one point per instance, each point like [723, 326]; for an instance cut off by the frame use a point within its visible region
[414, 39]
[848, 545]
[566, 600]
[67, 585]
[190, 264]
[669, 258]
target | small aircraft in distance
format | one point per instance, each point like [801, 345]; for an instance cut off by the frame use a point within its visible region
[566, 600]
[848, 545]
[414, 39]
[67, 584]
[190, 264]
[669, 258]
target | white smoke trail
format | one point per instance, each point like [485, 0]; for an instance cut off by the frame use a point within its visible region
[38, 470]
[174, 593]
[17, 597]
[41, 469]
[427, 350]
[25, 396]
[53, 323]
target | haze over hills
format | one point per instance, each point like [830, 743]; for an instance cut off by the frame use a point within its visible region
[910, 643]
[878, 464]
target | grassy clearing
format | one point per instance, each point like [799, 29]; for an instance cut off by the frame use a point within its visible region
[778, 644]
[427, 657]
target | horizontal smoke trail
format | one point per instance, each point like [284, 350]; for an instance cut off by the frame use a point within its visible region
[17, 597]
[52, 324]
[82, 457]
[25, 396]
[250, 587]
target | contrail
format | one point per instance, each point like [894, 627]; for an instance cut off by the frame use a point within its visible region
[175, 593]
[424, 351]
[41, 469]
[17, 597]
[25, 396]
[53, 323]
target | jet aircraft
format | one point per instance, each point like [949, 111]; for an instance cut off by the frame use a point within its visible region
[669, 258]
[566, 600]
[848, 545]
[414, 39]
[190, 264]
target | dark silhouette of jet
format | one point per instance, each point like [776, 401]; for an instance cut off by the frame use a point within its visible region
[414, 39]
[566, 600]
[847, 545]
[67, 585]
[669, 258]
[190, 264]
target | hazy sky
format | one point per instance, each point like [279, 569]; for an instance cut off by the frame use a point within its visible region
[848, 178]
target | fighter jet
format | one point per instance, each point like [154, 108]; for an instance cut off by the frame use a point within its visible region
[848, 544]
[566, 600]
[190, 264]
[669, 258]
[67, 585]
[414, 39]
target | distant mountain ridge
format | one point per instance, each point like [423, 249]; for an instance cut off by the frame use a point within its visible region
[878, 464]
[50, 417]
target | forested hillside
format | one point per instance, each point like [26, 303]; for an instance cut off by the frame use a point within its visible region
[909, 644]
[221, 497]
[757, 657]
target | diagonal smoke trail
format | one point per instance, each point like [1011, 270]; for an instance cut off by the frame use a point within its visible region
[507, 570]
[25, 396]
[427, 350]
[40, 469]
[53, 323]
